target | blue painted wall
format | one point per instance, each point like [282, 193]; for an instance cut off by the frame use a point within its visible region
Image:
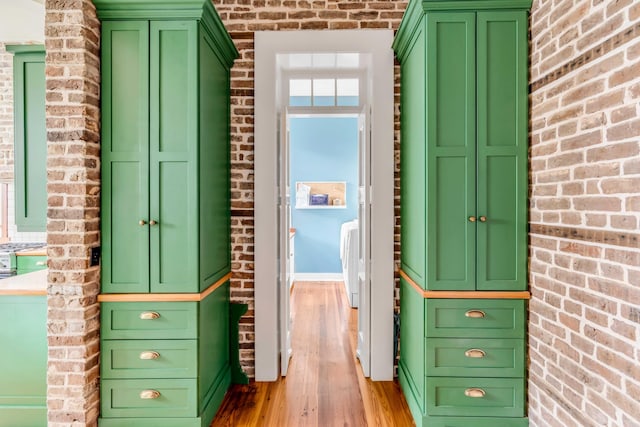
[322, 149]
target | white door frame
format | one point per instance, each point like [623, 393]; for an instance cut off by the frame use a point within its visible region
[267, 45]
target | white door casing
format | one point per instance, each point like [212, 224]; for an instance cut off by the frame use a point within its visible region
[268, 44]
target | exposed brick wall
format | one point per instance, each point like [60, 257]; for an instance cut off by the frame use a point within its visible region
[72, 113]
[242, 18]
[6, 114]
[585, 214]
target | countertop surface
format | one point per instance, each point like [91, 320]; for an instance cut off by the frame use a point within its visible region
[34, 283]
[33, 252]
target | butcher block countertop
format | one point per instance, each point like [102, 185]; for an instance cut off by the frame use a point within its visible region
[33, 252]
[25, 284]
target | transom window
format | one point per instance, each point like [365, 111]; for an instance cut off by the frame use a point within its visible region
[324, 92]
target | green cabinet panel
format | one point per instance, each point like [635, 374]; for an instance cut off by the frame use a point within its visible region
[502, 150]
[23, 357]
[412, 352]
[27, 263]
[413, 172]
[125, 150]
[475, 357]
[125, 398]
[149, 359]
[30, 136]
[149, 320]
[451, 148]
[475, 318]
[495, 397]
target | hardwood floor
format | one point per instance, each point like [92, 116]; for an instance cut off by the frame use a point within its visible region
[324, 385]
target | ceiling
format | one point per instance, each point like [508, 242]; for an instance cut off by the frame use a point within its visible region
[22, 21]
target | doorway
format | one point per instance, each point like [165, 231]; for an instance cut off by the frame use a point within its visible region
[376, 194]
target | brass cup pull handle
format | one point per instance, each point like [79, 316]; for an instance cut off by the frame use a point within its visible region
[483, 218]
[142, 222]
[153, 222]
[474, 392]
[40, 263]
[475, 353]
[472, 219]
[149, 315]
[149, 355]
[149, 394]
[475, 314]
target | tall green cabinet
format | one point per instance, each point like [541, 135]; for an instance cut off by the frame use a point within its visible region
[30, 135]
[165, 214]
[464, 184]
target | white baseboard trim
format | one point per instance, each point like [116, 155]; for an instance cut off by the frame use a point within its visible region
[318, 277]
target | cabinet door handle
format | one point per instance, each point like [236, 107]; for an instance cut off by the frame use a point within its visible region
[142, 222]
[483, 218]
[475, 314]
[149, 355]
[472, 219]
[149, 394]
[39, 263]
[474, 392]
[475, 353]
[149, 315]
[153, 222]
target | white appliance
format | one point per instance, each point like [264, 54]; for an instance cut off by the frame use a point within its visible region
[349, 255]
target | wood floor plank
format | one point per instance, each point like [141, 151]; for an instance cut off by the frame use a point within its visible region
[324, 386]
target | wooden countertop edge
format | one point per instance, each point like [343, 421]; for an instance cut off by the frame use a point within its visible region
[465, 294]
[164, 297]
[18, 292]
[35, 252]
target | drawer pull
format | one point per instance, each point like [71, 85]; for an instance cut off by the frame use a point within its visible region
[474, 392]
[149, 394]
[475, 353]
[475, 314]
[41, 263]
[149, 355]
[149, 315]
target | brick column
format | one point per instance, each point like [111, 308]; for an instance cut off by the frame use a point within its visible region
[72, 39]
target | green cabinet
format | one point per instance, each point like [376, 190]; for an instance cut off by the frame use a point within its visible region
[465, 130]
[164, 363]
[165, 153]
[464, 198]
[23, 357]
[165, 212]
[30, 263]
[30, 136]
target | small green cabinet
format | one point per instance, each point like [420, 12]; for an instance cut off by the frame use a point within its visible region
[464, 198]
[29, 263]
[30, 136]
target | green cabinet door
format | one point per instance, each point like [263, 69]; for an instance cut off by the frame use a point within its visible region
[173, 157]
[125, 154]
[30, 153]
[502, 150]
[451, 145]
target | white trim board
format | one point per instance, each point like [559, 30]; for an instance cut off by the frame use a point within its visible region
[318, 277]
[267, 45]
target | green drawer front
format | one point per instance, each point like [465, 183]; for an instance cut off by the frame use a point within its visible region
[26, 264]
[175, 320]
[483, 357]
[122, 398]
[503, 397]
[453, 318]
[474, 422]
[149, 359]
